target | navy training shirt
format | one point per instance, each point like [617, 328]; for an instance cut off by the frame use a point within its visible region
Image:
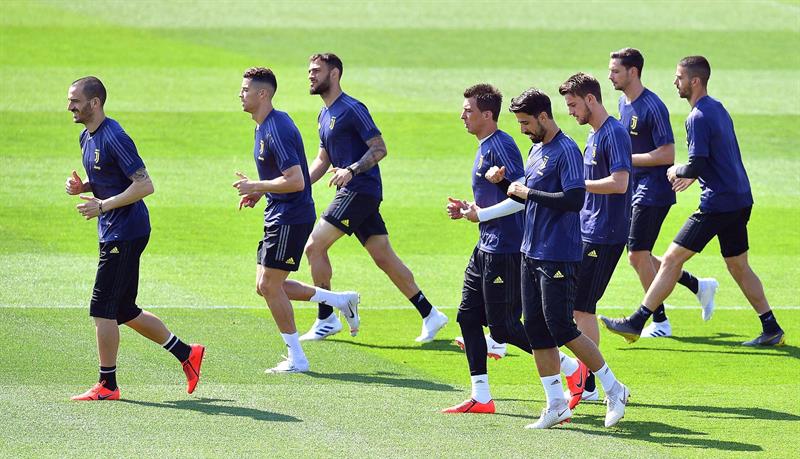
[501, 235]
[279, 146]
[606, 218]
[344, 129]
[647, 121]
[552, 234]
[110, 158]
[710, 134]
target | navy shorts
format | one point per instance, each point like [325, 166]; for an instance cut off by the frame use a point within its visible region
[597, 266]
[646, 223]
[491, 288]
[356, 213]
[729, 227]
[117, 281]
[282, 246]
[548, 298]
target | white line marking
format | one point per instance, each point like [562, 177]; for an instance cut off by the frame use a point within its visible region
[369, 308]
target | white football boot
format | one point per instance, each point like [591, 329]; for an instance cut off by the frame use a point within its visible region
[323, 329]
[350, 311]
[657, 330]
[706, 289]
[552, 416]
[289, 366]
[494, 349]
[431, 326]
[616, 400]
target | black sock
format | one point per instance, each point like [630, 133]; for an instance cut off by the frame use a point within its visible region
[474, 347]
[590, 384]
[639, 318]
[421, 303]
[689, 281]
[769, 324]
[659, 315]
[178, 348]
[324, 311]
[108, 376]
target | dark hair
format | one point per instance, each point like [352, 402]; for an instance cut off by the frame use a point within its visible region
[532, 102]
[630, 57]
[697, 66]
[91, 87]
[581, 85]
[262, 75]
[330, 59]
[488, 98]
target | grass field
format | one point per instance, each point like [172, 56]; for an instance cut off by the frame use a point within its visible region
[173, 71]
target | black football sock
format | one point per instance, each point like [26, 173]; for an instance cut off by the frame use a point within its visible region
[659, 315]
[689, 281]
[590, 385]
[324, 311]
[178, 348]
[475, 348]
[769, 324]
[108, 376]
[421, 303]
[639, 318]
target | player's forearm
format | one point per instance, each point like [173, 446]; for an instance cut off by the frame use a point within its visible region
[375, 153]
[317, 169]
[616, 183]
[661, 156]
[86, 187]
[279, 185]
[568, 201]
[501, 209]
[504, 184]
[135, 192]
[693, 169]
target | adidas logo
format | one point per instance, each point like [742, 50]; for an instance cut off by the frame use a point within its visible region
[558, 275]
[346, 222]
[290, 261]
[592, 254]
[114, 250]
[498, 280]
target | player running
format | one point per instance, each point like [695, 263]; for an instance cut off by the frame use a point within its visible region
[725, 205]
[288, 217]
[351, 147]
[118, 182]
[653, 145]
[491, 292]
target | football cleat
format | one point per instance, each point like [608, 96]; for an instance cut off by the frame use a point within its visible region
[657, 330]
[191, 367]
[350, 311]
[768, 339]
[621, 327]
[471, 406]
[551, 417]
[587, 396]
[576, 383]
[288, 366]
[494, 349]
[98, 392]
[616, 401]
[431, 326]
[323, 328]
[706, 289]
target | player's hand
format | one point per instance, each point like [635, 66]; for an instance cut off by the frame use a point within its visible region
[454, 207]
[90, 208]
[681, 184]
[341, 177]
[495, 174]
[250, 200]
[74, 184]
[244, 185]
[519, 190]
[672, 172]
[471, 212]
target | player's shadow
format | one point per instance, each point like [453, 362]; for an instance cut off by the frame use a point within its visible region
[657, 432]
[435, 345]
[727, 412]
[385, 378]
[212, 407]
[722, 340]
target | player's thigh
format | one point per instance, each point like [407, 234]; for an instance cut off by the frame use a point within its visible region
[532, 308]
[733, 239]
[698, 230]
[116, 281]
[646, 223]
[471, 308]
[282, 246]
[558, 283]
[501, 286]
[323, 236]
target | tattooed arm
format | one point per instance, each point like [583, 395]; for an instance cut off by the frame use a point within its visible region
[375, 153]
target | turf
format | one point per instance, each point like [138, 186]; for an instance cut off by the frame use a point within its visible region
[173, 71]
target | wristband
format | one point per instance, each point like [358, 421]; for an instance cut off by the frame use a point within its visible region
[351, 169]
[100, 207]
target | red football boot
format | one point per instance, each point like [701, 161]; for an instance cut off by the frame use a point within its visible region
[98, 392]
[471, 406]
[191, 367]
[576, 382]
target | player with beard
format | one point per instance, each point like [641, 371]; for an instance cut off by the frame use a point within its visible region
[118, 182]
[725, 205]
[653, 145]
[350, 148]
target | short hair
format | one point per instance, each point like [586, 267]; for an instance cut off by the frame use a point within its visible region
[532, 102]
[488, 98]
[581, 85]
[91, 87]
[262, 75]
[330, 59]
[630, 57]
[697, 67]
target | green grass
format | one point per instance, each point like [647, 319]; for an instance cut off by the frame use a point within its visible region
[173, 72]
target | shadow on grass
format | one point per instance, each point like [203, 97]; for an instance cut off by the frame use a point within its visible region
[726, 412]
[386, 379]
[209, 406]
[721, 340]
[435, 345]
[657, 432]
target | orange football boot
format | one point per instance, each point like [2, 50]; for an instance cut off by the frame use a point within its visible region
[191, 367]
[471, 406]
[98, 392]
[576, 382]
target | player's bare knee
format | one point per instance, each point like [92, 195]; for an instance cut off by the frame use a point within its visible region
[637, 259]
